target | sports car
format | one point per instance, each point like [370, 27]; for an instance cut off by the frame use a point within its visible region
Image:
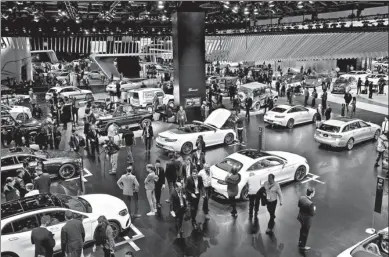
[69, 91]
[288, 116]
[356, 75]
[252, 162]
[17, 112]
[340, 85]
[375, 245]
[129, 84]
[218, 128]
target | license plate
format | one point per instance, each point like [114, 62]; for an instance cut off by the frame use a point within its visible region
[325, 135]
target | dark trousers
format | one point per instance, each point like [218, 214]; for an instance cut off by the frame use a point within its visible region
[134, 198]
[253, 204]
[313, 102]
[94, 149]
[76, 253]
[240, 135]
[370, 94]
[158, 190]
[107, 253]
[358, 90]
[323, 106]
[380, 155]
[304, 231]
[75, 115]
[248, 113]
[233, 204]
[147, 143]
[170, 185]
[306, 100]
[271, 208]
[208, 191]
[179, 218]
[194, 206]
[56, 144]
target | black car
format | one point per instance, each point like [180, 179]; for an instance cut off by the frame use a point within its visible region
[31, 126]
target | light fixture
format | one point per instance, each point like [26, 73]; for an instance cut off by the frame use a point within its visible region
[246, 12]
[19, 2]
[300, 6]
[94, 29]
[271, 5]
[86, 32]
[226, 6]
[311, 2]
[54, 29]
[5, 15]
[6, 29]
[78, 19]
[36, 18]
[299, 3]
[40, 29]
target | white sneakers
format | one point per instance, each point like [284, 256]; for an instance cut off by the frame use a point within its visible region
[173, 214]
[151, 213]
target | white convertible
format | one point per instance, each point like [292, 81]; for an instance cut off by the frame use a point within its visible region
[288, 116]
[69, 91]
[252, 162]
[218, 128]
[16, 112]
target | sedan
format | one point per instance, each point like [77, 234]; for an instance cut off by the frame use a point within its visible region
[341, 84]
[218, 128]
[69, 92]
[356, 75]
[375, 245]
[252, 162]
[17, 112]
[288, 116]
[130, 84]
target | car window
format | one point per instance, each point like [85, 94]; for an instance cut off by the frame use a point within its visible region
[23, 158]
[78, 216]
[204, 129]
[363, 124]
[257, 166]
[346, 128]
[300, 109]
[228, 164]
[25, 224]
[7, 229]
[159, 94]
[56, 217]
[272, 161]
[7, 161]
[354, 125]
[293, 110]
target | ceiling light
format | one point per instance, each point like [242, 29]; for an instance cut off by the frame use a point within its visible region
[5, 15]
[6, 29]
[300, 6]
[36, 18]
[19, 2]
[40, 29]
[54, 29]
[299, 3]
[271, 2]
[226, 6]
[78, 19]
[86, 32]
[94, 29]
[246, 12]
[271, 5]
[160, 6]
[311, 2]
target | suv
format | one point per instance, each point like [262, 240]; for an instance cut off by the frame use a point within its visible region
[9, 124]
[20, 217]
[144, 97]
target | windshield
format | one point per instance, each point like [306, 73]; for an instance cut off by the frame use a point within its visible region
[51, 90]
[135, 95]
[74, 203]
[245, 90]
[278, 109]
[329, 128]
[341, 80]
[228, 164]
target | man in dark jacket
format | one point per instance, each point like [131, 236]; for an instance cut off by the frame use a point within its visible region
[171, 176]
[347, 99]
[160, 184]
[43, 239]
[366, 85]
[179, 206]
[359, 85]
[323, 102]
[371, 90]
[194, 186]
[72, 236]
[42, 182]
[94, 141]
[248, 104]
[306, 213]
[198, 159]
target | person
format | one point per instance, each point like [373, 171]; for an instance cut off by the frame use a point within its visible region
[314, 96]
[306, 96]
[113, 152]
[283, 88]
[37, 112]
[385, 126]
[307, 210]
[278, 86]
[353, 107]
[129, 140]
[160, 183]
[194, 187]
[74, 141]
[75, 107]
[231, 90]
[206, 175]
[382, 145]
[324, 101]
[93, 141]
[103, 237]
[150, 189]
[198, 159]
[359, 86]
[269, 104]
[342, 110]
[318, 116]
[41, 138]
[328, 112]
[19, 182]
[179, 206]
[273, 190]
[43, 239]
[130, 187]
[10, 191]
[240, 128]
[253, 188]
[371, 90]
[200, 144]
[204, 110]
[42, 182]
[148, 135]
[171, 174]
[236, 104]
[347, 99]
[366, 85]
[232, 180]
[72, 236]
[186, 170]
[248, 104]
[181, 117]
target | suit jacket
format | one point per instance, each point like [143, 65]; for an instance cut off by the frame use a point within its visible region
[190, 185]
[199, 162]
[43, 183]
[183, 175]
[249, 102]
[160, 172]
[44, 242]
[176, 201]
[94, 138]
[151, 132]
[72, 236]
[171, 171]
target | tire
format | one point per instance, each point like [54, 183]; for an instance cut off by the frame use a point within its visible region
[376, 135]
[116, 228]
[290, 123]
[244, 193]
[149, 108]
[229, 139]
[144, 122]
[187, 148]
[67, 171]
[300, 173]
[9, 255]
[350, 144]
[22, 116]
[32, 137]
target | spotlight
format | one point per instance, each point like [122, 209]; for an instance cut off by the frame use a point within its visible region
[19, 2]
[6, 29]
[36, 18]
[160, 6]
[300, 6]
[226, 6]
[54, 29]
[246, 12]
[78, 19]
[94, 29]
[5, 15]
[271, 5]
[86, 32]
[40, 29]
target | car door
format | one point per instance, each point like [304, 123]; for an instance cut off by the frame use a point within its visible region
[209, 135]
[356, 131]
[279, 168]
[366, 131]
[294, 114]
[57, 221]
[259, 171]
[89, 224]
[303, 114]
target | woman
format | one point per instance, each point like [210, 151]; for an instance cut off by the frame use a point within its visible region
[314, 96]
[232, 180]
[181, 117]
[148, 135]
[103, 237]
[200, 144]
[318, 116]
[206, 175]
[10, 191]
[75, 107]
[353, 107]
[150, 189]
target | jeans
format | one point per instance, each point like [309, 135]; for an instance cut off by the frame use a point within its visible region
[253, 204]
[181, 123]
[170, 185]
[240, 135]
[313, 102]
[208, 191]
[114, 162]
[130, 158]
[194, 206]
[304, 232]
[233, 204]
[150, 193]
[75, 115]
[271, 208]
[136, 202]
[148, 143]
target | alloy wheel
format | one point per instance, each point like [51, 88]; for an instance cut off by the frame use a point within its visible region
[115, 227]
[67, 171]
[244, 194]
[290, 123]
[229, 139]
[376, 135]
[350, 144]
[300, 173]
[22, 117]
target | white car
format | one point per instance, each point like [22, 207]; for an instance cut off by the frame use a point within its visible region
[63, 76]
[218, 128]
[19, 217]
[376, 77]
[69, 91]
[130, 84]
[252, 162]
[288, 116]
[94, 74]
[356, 75]
[375, 245]
[16, 112]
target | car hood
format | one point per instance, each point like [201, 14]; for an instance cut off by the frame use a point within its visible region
[218, 173]
[340, 85]
[290, 157]
[105, 204]
[32, 123]
[218, 118]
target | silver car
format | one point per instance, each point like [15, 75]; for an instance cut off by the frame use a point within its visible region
[346, 132]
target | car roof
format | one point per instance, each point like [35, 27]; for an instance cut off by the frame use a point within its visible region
[146, 89]
[285, 106]
[29, 204]
[254, 85]
[340, 121]
[253, 153]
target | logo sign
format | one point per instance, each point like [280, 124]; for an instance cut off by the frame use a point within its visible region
[379, 194]
[193, 89]
[193, 102]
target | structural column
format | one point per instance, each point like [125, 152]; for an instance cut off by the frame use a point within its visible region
[189, 61]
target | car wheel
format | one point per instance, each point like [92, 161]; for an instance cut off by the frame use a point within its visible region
[187, 148]
[9, 255]
[32, 137]
[22, 116]
[229, 139]
[257, 106]
[290, 123]
[67, 171]
[149, 108]
[244, 194]
[115, 227]
[144, 122]
[350, 144]
[300, 173]
[376, 135]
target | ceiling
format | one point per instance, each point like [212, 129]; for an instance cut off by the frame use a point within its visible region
[124, 17]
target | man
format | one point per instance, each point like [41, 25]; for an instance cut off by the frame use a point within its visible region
[273, 190]
[160, 184]
[87, 126]
[385, 127]
[382, 145]
[306, 96]
[130, 142]
[240, 128]
[42, 182]
[113, 152]
[74, 141]
[103, 237]
[94, 142]
[43, 239]
[347, 99]
[371, 90]
[194, 186]
[57, 137]
[72, 236]
[37, 112]
[253, 188]
[236, 104]
[328, 112]
[186, 170]
[307, 211]
[248, 104]
[179, 206]
[148, 135]
[289, 94]
[324, 101]
[206, 175]
[359, 85]
[171, 176]
[130, 187]
[198, 159]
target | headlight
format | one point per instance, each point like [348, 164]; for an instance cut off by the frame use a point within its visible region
[170, 140]
[123, 212]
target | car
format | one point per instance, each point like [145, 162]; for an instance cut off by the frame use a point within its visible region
[288, 116]
[144, 97]
[19, 217]
[375, 78]
[212, 79]
[346, 132]
[315, 80]
[60, 164]
[258, 92]
[252, 162]
[17, 112]
[218, 128]
[63, 76]
[69, 91]
[31, 126]
[95, 74]
[356, 75]
[375, 245]
[341, 84]
[129, 84]
[124, 115]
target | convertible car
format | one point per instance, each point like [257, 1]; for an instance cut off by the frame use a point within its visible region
[218, 128]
